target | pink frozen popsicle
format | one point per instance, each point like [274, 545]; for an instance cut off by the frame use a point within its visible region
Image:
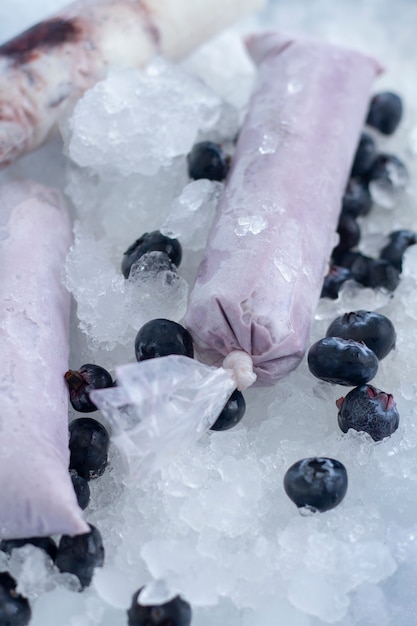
[261, 276]
[47, 68]
[37, 497]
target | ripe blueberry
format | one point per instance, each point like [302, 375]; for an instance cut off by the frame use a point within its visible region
[374, 329]
[232, 413]
[89, 445]
[176, 612]
[81, 382]
[349, 232]
[154, 241]
[81, 488]
[161, 337]
[364, 157]
[14, 609]
[81, 554]
[390, 171]
[342, 361]
[318, 483]
[207, 160]
[333, 281]
[356, 199]
[398, 243]
[370, 410]
[385, 112]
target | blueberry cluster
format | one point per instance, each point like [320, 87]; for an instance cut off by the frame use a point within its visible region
[370, 168]
[349, 355]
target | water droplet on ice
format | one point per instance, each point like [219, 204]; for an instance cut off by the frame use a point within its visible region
[295, 86]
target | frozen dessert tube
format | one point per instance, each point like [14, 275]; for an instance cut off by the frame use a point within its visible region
[47, 68]
[262, 272]
[37, 496]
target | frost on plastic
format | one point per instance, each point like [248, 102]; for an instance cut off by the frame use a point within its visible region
[162, 406]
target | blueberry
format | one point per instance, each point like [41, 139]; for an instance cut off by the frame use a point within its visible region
[44, 543]
[398, 243]
[369, 410]
[349, 232]
[207, 160]
[161, 337]
[342, 361]
[385, 112]
[89, 445]
[232, 413]
[375, 273]
[151, 242]
[333, 281]
[374, 329]
[176, 612]
[367, 271]
[81, 554]
[356, 200]
[318, 483]
[81, 382]
[390, 172]
[81, 488]
[14, 609]
[364, 157]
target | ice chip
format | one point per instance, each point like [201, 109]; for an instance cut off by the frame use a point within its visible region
[139, 121]
[174, 400]
[192, 213]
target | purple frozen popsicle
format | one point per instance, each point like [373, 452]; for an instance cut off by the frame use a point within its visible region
[262, 272]
[37, 497]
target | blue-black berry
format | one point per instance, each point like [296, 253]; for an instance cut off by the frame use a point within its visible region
[14, 609]
[364, 157]
[385, 112]
[390, 172]
[89, 445]
[176, 612]
[81, 554]
[367, 271]
[161, 337]
[374, 329]
[398, 242]
[207, 160]
[369, 410]
[342, 361]
[81, 488]
[357, 199]
[334, 280]
[154, 241]
[317, 483]
[348, 231]
[81, 382]
[232, 413]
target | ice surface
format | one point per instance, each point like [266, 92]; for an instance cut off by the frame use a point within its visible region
[137, 121]
[215, 523]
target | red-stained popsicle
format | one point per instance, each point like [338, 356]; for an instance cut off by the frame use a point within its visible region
[47, 68]
[37, 497]
[262, 272]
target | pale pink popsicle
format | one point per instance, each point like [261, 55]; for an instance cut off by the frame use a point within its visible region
[46, 69]
[262, 272]
[37, 497]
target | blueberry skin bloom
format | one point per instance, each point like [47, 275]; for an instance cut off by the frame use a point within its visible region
[370, 410]
[176, 612]
[14, 609]
[318, 483]
[342, 361]
[374, 329]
